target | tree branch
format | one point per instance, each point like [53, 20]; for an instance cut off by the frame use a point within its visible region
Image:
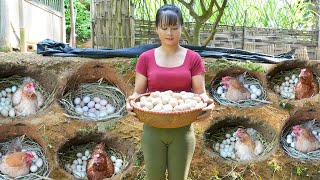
[189, 6]
[216, 3]
[186, 34]
[165, 2]
[203, 8]
[214, 27]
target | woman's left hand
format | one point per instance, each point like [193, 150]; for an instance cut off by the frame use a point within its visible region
[208, 109]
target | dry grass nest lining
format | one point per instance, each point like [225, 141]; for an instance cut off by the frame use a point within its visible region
[292, 152]
[242, 103]
[29, 145]
[68, 156]
[17, 81]
[220, 136]
[103, 90]
[165, 119]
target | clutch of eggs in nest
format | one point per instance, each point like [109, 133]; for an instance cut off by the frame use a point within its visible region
[169, 101]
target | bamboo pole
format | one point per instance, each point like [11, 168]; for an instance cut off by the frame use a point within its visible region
[5, 44]
[73, 27]
[23, 46]
[92, 23]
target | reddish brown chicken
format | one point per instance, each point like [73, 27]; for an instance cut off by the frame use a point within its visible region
[236, 91]
[27, 100]
[246, 148]
[99, 165]
[304, 142]
[16, 163]
[306, 86]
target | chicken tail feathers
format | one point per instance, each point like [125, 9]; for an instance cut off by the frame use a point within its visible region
[309, 125]
[16, 145]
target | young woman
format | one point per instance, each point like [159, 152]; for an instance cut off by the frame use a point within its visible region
[169, 67]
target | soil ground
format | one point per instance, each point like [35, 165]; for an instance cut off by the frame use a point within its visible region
[53, 129]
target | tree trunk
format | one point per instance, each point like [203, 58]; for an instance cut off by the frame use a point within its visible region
[72, 25]
[4, 27]
[196, 34]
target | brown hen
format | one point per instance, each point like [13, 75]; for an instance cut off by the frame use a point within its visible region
[16, 163]
[304, 142]
[236, 91]
[246, 148]
[99, 165]
[306, 86]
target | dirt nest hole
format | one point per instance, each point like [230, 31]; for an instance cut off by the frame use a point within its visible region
[302, 117]
[285, 76]
[11, 79]
[31, 142]
[114, 146]
[251, 80]
[223, 130]
[95, 93]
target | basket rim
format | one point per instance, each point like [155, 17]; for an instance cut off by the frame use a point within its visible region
[134, 106]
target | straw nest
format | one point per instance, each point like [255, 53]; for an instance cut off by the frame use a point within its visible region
[220, 136]
[17, 82]
[248, 79]
[70, 155]
[29, 145]
[292, 152]
[102, 90]
[165, 119]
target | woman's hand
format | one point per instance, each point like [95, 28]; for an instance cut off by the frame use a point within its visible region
[208, 109]
[129, 107]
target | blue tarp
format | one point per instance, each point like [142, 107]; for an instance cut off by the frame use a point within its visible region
[52, 48]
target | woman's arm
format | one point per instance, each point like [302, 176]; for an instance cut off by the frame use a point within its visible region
[140, 88]
[198, 87]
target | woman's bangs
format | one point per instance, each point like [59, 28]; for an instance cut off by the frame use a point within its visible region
[168, 19]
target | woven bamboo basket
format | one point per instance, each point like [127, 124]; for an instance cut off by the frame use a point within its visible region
[165, 119]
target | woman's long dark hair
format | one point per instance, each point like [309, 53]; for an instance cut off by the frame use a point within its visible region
[168, 15]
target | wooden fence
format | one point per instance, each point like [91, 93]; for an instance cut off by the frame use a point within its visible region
[111, 23]
[263, 40]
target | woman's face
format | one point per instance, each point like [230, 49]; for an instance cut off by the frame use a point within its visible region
[169, 35]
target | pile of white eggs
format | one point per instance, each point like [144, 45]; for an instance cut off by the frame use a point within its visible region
[79, 165]
[287, 87]
[291, 137]
[255, 91]
[6, 108]
[95, 107]
[226, 148]
[169, 101]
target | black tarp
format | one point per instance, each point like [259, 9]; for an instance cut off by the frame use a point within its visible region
[52, 48]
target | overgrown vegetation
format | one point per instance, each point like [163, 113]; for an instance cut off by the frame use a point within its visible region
[82, 14]
[220, 64]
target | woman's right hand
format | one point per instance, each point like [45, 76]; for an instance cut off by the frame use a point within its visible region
[129, 107]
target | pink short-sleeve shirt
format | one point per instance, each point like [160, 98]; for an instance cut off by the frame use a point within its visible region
[169, 78]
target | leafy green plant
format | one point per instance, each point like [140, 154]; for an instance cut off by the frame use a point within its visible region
[300, 169]
[274, 167]
[82, 14]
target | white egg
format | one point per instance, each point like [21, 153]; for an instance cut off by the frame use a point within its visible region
[293, 77]
[119, 161]
[39, 162]
[82, 104]
[33, 168]
[292, 144]
[253, 96]
[286, 78]
[258, 92]
[233, 156]
[77, 101]
[289, 136]
[97, 106]
[103, 102]
[217, 145]
[224, 142]
[118, 165]
[220, 90]
[4, 93]
[4, 112]
[79, 161]
[86, 99]
[103, 113]
[0, 154]
[252, 87]
[314, 132]
[216, 148]
[85, 108]
[12, 113]
[228, 141]
[289, 141]
[8, 90]
[224, 154]
[97, 99]
[116, 170]
[79, 110]
[79, 167]
[296, 80]
[221, 146]
[86, 153]
[232, 139]
[112, 109]
[113, 158]
[246, 85]
[13, 88]
[223, 95]
[84, 158]
[91, 104]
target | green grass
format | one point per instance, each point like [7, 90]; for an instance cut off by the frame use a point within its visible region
[220, 64]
